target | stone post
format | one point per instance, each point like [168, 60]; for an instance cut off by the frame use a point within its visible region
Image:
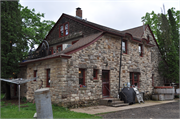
[43, 103]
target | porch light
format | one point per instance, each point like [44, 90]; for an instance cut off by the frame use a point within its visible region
[79, 72]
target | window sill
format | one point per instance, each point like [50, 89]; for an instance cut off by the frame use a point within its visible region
[63, 36]
[82, 88]
[95, 80]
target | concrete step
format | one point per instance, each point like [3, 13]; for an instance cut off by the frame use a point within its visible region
[107, 101]
[120, 105]
[114, 102]
[117, 102]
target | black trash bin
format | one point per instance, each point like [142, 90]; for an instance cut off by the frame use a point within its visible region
[128, 95]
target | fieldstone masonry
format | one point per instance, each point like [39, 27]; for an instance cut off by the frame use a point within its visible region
[104, 54]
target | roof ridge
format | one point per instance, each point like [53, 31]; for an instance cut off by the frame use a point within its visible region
[94, 23]
[134, 28]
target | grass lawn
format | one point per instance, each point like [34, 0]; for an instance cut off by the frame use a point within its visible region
[27, 111]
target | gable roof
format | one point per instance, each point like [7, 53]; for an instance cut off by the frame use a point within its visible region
[94, 25]
[136, 32]
[83, 42]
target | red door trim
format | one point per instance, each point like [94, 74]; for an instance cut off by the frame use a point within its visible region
[106, 83]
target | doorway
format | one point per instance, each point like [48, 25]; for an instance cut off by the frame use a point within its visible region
[105, 83]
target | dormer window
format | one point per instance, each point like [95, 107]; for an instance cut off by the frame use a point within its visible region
[64, 30]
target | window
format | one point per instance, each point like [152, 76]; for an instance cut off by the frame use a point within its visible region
[134, 79]
[48, 78]
[51, 51]
[61, 31]
[81, 77]
[35, 74]
[148, 38]
[140, 50]
[64, 30]
[124, 46]
[73, 42]
[95, 72]
[59, 48]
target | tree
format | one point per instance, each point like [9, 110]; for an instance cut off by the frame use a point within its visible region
[21, 29]
[11, 43]
[34, 30]
[166, 30]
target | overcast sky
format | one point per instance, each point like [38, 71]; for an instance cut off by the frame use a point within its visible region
[117, 14]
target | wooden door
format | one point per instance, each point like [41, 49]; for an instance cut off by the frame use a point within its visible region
[105, 83]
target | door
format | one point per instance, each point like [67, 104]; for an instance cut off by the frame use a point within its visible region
[105, 83]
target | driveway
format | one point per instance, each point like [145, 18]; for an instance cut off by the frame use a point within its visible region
[106, 109]
[168, 110]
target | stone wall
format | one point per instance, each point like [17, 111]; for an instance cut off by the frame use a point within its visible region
[58, 74]
[103, 54]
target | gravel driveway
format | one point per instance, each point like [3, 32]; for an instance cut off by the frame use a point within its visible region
[168, 110]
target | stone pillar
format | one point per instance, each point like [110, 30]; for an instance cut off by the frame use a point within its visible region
[43, 103]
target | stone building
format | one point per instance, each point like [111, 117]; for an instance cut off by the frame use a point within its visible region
[81, 61]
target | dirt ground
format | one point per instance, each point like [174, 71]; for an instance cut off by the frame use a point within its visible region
[168, 111]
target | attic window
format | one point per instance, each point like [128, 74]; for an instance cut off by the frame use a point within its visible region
[124, 46]
[140, 50]
[64, 30]
[148, 38]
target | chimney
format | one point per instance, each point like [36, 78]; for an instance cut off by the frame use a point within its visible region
[79, 12]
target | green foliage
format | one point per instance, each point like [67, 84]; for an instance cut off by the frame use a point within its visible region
[33, 28]
[12, 44]
[2, 96]
[28, 110]
[21, 29]
[166, 30]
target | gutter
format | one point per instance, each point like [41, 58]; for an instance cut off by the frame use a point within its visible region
[120, 67]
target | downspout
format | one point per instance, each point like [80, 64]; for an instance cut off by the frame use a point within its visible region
[120, 67]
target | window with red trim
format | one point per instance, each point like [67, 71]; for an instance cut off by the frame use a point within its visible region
[48, 78]
[64, 30]
[59, 48]
[51, 50]
[95, 72]
[134, 79]
[140, 50]
[81, 77]
[35, 74]
[124, 46]
[73, 42]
